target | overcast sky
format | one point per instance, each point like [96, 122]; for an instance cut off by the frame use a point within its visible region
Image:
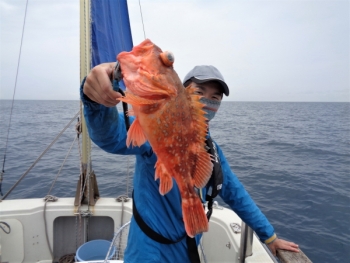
[286, 50]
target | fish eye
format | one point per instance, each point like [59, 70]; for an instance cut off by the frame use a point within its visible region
[167, 58]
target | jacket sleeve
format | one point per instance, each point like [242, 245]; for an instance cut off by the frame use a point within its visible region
[234, 194]
[107, 129]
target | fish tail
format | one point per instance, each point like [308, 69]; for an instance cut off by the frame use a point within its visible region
[194, 216]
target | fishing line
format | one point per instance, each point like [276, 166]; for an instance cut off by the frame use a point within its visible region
[143, 26]
[13, 98]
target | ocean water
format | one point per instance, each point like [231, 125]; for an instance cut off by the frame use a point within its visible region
[293, 158]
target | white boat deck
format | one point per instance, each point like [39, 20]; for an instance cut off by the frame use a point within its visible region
[27, 240]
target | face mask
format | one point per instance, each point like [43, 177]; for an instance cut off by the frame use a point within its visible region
[210, 107]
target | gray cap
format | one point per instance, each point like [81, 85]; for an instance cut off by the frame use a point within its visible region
[204, 73]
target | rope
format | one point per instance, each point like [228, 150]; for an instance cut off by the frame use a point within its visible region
[114, 238]
[121, 223]
[13, 97]
[64, 161]
[2, 176]
[86, 213]
[6, 225]
[143, 26]
[127, 175]
[122, 198]
[70, 258]
[82, 187]
[202, 251]
[41, 155]
[78, 128]
[78, 228]
[48, 198]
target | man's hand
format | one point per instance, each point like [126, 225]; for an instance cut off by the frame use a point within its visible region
[98, 86]
[282, 244]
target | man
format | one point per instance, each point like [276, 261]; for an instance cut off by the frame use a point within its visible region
[162, 214]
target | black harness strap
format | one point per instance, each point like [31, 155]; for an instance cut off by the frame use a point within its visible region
[216, 179]
[149, 231]
[191, 242]
[192, 250]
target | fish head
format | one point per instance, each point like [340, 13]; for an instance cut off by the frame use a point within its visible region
[148, 72]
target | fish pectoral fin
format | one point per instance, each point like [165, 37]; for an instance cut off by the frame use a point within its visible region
[154, 84]
[166, 181]
[203, 169]
[136, 135]
[136, 100]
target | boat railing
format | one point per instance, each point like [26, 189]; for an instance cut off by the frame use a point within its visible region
[246, 249]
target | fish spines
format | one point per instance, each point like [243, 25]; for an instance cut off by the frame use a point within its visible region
[203, 166]
[203, 169]
[197, 111]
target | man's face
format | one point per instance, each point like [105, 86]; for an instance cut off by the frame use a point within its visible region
[210, 90]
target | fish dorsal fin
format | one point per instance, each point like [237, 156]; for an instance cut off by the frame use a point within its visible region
[201, 172]
[136, 135]
[203, 169]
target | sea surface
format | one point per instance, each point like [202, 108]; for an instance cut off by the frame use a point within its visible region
[293, 158]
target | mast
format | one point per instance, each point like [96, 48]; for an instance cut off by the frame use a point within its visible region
[90, 192]
[104, 32]
[85, 67]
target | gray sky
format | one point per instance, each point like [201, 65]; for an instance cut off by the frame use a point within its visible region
[286, 50]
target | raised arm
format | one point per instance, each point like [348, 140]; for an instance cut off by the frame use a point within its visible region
[105, 125]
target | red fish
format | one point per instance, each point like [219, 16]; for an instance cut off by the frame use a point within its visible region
[171, 118]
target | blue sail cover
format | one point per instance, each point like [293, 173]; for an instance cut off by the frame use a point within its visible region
[110, 30]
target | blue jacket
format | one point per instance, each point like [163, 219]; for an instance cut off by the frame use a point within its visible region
[162, 213]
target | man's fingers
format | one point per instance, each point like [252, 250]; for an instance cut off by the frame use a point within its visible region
[98, 86]
[101, 97]
[292, 247]
[101, 82]
[283, 244]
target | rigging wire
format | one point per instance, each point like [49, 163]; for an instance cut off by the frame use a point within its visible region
[13, 98]
[143, 26]
[41, 155]
[64, 161]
